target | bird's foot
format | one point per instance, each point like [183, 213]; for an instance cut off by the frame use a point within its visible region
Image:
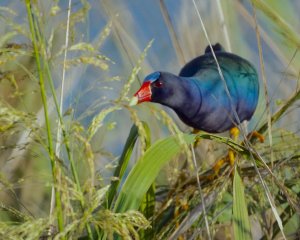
[213, 173]
[230, 158]
[234, 134]
[218, 165]
[257, 135]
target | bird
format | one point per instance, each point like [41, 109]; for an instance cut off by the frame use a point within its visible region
[199, 95]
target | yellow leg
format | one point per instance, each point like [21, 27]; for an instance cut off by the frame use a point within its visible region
[231, 157]
[234, 133]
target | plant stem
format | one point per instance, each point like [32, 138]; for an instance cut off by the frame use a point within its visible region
[59, 114]
[61, 125]
[281, 111]
[48, 127]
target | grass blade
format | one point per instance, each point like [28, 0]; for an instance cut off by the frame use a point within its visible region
[241, 223]
[124, 160]
[289, 35]
[145, 171]
[60, 220]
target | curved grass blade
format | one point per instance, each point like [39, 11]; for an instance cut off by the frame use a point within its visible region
[241, 223]
[124, 160]
[146, 170]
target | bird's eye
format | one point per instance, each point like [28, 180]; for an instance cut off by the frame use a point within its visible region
[158, 84]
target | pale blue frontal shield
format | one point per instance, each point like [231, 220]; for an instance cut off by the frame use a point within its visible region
[152, 77]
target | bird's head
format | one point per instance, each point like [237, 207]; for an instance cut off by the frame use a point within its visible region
[157, 87]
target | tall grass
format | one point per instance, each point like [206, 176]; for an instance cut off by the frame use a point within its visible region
[128, 173]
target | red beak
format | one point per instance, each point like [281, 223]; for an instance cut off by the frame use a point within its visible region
[143, 94]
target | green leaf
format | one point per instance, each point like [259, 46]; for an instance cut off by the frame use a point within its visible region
[148, 203]
[241, 223]
[146, 170]
[124, 160]
[147, 208]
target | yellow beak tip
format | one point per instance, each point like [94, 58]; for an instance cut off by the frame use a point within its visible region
[133, 101]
